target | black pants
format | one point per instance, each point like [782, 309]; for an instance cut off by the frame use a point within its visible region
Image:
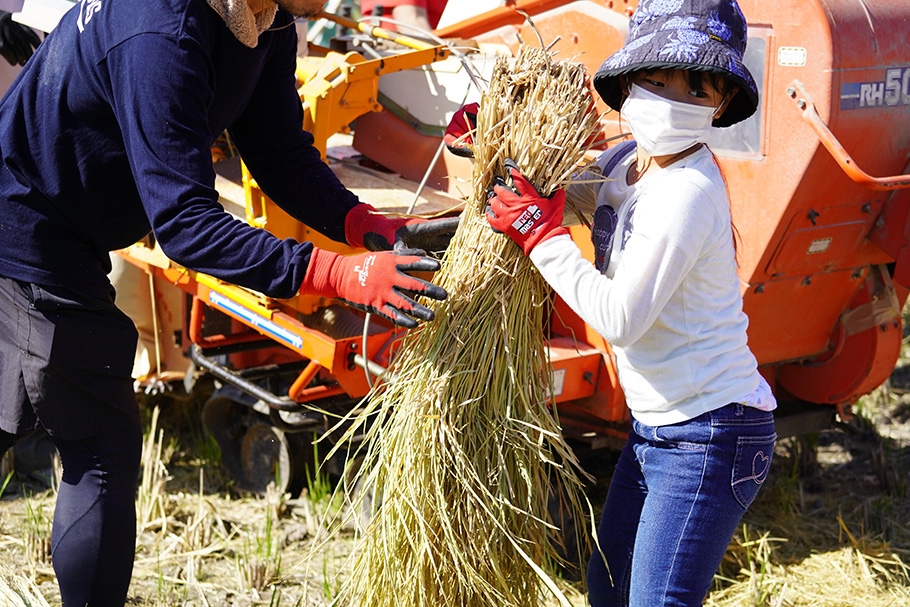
[94, 535]
[65, 360]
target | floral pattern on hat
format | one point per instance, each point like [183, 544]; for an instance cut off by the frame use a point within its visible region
[652, 11]
[706, 35]
[684, 47]
[719, 28]
[621, 57]
[737, 68]
[678, 23]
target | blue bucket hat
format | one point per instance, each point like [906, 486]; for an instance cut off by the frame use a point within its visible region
[706, 35]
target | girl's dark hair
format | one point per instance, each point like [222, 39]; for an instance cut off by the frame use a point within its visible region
[737, 238]
[716, 81]
[696, 79]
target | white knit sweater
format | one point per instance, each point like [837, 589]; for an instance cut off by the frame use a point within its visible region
[669, 301]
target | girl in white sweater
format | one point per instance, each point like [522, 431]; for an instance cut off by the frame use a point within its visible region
[664, 292]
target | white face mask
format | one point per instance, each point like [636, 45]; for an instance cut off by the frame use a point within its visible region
[661, 126]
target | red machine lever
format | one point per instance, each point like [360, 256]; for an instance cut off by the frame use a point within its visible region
[840, 155]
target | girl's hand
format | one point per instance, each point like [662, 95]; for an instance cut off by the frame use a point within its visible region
[459, 135]
[526, 215]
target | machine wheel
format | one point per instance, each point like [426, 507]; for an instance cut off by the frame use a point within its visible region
[269, 455]
[253, 451]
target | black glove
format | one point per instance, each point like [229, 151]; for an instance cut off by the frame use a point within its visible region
[363, 227]
[432, 235]
[17, 41]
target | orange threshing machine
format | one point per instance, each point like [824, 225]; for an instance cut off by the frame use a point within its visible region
[824, 246]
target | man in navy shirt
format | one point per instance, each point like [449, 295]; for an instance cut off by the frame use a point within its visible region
[104, 137]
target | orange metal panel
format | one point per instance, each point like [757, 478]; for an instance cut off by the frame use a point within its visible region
[509, 15]
[573, 368]
[841, 46]
[856, 363]
[818, 241]
[606, 401]
[792, 318]
[892, 233]
[379, 133]
[761, 190]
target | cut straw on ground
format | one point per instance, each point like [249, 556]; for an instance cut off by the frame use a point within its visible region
[18, 591]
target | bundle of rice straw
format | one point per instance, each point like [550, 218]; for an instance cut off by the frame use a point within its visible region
[465, 452]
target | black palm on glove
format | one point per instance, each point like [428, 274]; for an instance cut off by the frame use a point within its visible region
[379, 283]
[366, 228]
[17, 41]
[429, 235]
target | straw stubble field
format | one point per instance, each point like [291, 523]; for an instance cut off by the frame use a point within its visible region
[829, 530]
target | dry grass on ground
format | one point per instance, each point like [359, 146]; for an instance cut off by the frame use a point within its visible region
[827, 531]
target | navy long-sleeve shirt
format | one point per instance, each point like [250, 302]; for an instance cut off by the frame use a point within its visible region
[106, 134]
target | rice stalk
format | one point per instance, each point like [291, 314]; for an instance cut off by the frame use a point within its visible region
[198, 532]
[56, 474]
[37, 534]
[465, 451]
[7, 468]
[151, 498]
[259, 562]
[847, 571]
[18, 591]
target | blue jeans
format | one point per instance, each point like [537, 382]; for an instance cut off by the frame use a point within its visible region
[677, 495]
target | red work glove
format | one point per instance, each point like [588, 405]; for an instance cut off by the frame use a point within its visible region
[459, 135]
[526, 215]
[368, 229]
[375, 283]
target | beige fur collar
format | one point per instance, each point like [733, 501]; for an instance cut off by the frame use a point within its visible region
[240, 19]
